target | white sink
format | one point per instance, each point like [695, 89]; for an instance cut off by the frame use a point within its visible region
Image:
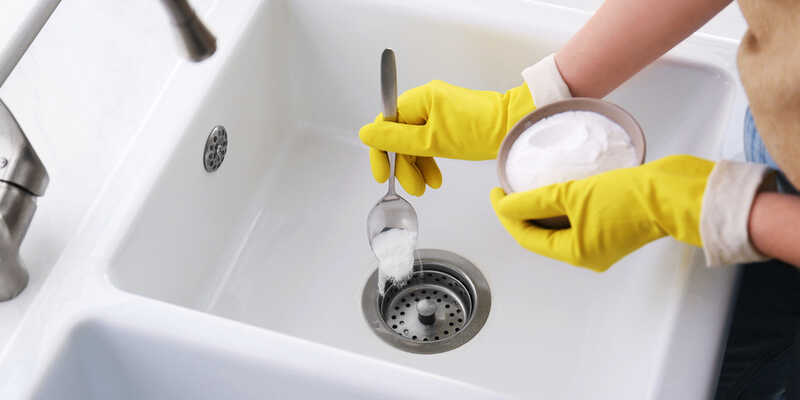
[275, 239]
[106, 357]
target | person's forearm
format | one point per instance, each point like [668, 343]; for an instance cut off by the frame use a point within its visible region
[775, 226]
[624, 36]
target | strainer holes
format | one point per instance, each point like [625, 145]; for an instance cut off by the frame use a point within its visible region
[458, 311]
[458, 329]
[440, 285]
[460, 320]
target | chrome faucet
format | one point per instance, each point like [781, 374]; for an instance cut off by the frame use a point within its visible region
[22, 179]
[23, 176]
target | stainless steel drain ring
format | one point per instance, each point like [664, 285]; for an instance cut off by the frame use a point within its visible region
[443, 305]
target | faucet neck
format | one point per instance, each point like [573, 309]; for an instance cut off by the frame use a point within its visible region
[19, 164]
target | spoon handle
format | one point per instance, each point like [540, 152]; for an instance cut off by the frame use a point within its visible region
[389, 95]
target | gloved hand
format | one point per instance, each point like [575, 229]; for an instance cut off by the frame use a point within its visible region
[612, 213]
[441, 120]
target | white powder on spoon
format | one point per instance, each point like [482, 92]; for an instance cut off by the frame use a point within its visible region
[394, 249]
[566, 146]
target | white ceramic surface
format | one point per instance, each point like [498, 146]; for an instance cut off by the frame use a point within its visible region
[292, 82]
[20, 22]
[110, 357]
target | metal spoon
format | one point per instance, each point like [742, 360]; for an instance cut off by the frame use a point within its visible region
[391, 211]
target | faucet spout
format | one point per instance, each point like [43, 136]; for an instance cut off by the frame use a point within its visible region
[200, 42]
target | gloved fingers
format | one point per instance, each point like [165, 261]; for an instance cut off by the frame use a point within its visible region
[544, 202]
[412, 109]
[430, 171]
[379, 163]
[542, 241]
[412, 172]
[413, 105]
[397, 137]
[409, 175]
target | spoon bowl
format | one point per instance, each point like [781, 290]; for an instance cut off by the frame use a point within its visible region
[391, 212]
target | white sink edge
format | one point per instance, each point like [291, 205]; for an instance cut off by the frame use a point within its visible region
[167, 322]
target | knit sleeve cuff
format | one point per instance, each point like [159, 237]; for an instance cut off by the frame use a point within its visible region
[728, 198]
[545, 82]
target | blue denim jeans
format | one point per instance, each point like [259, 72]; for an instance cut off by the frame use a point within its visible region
[762, 354]
[755, 151]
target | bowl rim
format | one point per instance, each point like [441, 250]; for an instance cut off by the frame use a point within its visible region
[603, 107]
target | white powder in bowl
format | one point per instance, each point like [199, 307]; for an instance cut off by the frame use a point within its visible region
[394, 249]
[566, 146]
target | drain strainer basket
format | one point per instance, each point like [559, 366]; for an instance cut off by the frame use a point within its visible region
[443, 305]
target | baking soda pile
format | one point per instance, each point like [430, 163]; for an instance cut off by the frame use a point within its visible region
[566, 146]
[394, 249]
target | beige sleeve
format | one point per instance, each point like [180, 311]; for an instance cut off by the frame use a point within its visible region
[725, 213]
[545, 82]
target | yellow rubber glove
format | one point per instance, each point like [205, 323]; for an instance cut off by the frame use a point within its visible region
[612, 213]
[441, 120]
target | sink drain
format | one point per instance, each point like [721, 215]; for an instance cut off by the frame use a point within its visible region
[443, 305]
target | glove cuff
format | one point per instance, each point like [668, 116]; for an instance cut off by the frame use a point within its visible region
[545, 82]
[728, 198]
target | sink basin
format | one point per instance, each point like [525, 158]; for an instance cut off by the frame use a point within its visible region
[274, 240]
[106, 357]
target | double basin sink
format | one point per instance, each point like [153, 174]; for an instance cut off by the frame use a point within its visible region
[246, 282]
